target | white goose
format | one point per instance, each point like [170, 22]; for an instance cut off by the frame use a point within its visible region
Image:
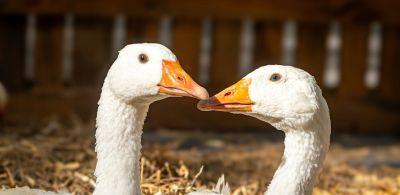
[289, 99]
[142, 74]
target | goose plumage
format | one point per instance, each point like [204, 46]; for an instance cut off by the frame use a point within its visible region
[141, 74]
[289, 99]
[221, 188]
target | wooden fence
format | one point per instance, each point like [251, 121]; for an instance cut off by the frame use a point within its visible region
[54, 54]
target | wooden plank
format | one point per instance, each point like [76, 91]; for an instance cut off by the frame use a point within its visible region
[142, 30]
[12, 30]
[186, 44]
[224, 67]
[353, 64]
[92, 56]
[268, 48]
[307, 10]
[311, 49]
[48, 54]
[389, 87]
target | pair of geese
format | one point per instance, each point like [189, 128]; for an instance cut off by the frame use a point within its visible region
[285, 97]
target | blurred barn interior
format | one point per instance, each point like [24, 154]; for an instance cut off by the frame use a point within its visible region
[54, 56]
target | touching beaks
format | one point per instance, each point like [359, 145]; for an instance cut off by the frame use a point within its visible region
[234, 98]
[175, 81]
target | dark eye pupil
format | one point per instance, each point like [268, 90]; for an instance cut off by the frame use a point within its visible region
[275, 77]
[143, 58]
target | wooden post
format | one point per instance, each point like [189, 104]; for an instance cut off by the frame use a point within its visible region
[373, 72]
[30, 41]
[68, 49]
[165, 31]
[246, 47]
[206, 43]
[118, 34]
[331, 76]
[289, 43]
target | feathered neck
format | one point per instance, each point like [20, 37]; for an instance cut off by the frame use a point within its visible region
[305, 150]
[118, 145]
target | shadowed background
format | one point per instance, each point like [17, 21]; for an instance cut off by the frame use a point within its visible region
[55, 54]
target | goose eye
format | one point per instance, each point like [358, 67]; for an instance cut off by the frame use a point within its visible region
[143, 58]
[275, 77]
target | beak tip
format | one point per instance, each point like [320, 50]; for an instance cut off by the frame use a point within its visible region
[200, 104]
[206, 104]
[202, 93]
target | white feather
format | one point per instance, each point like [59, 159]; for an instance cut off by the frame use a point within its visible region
[221, 188]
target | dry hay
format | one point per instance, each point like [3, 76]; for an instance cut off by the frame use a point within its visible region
[59, 157]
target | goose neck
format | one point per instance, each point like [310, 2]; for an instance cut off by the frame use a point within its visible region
[118, 145]
[304, 153]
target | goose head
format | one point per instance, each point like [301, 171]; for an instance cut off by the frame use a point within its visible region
[289, 99]
[148, 72]
[280, 95]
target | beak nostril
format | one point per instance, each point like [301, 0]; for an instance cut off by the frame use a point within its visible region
[228, 93]
[181, 79]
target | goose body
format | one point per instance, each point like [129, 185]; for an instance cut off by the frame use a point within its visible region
[289, 99]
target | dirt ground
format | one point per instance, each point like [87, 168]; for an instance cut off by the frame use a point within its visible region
[59, 156]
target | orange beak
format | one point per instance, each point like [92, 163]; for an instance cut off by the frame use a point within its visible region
[175, 81]
[231, 99]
